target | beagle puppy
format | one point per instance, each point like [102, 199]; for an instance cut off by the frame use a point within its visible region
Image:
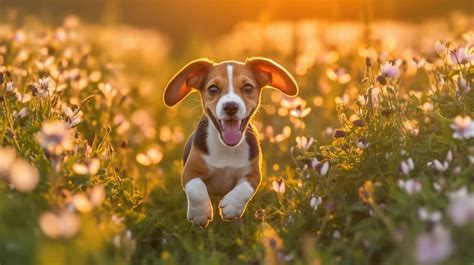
[222, 157]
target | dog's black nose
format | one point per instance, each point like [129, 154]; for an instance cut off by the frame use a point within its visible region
[231, 108]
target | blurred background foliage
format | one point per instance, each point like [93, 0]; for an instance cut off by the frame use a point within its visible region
[349, 165]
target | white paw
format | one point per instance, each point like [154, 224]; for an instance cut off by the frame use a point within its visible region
[231, 207]
[200, 211]
[233, 204]
[200, 214]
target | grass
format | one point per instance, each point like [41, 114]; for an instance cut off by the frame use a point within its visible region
[375, 156]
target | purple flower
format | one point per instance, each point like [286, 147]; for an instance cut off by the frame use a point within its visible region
[389, 69]
[463, 84]
[358, 123]
[461, 207]
[338, 133]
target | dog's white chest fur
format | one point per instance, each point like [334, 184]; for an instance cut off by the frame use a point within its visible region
[221, 156]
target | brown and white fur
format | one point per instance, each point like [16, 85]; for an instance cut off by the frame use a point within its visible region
[222, 157]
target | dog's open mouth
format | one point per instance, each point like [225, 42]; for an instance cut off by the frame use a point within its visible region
[231, 131]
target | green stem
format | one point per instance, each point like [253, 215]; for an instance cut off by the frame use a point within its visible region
[388, 223]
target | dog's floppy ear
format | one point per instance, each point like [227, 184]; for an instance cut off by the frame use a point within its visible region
[189, 77]
[269, 73]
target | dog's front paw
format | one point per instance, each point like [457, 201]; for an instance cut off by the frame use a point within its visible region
[200, 211]
[233, 204]
[200, 214]
[231, 207]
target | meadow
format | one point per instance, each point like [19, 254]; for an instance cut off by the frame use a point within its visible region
[372, 163]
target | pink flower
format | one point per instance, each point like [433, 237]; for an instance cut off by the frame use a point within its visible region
[433, 247]
[461, 207]
[461, 55]
[463, 127]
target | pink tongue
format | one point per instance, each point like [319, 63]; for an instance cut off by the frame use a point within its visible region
[231, 132]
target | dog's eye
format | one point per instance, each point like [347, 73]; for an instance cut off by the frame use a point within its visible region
[213, 90]
[248, 88]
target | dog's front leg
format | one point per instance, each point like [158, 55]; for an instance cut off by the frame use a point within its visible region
[233, 204]
[200, 211]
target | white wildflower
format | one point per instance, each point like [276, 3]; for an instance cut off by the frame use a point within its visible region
[152, 156]
[300, 112]
[315, 201]
[410, 186]
[10, 87]
[304, 142]
[449, 156]
[88, 168]
[45, 87]
[425, 215]
[97, 195]
[279, 186]
[81, 203]
[321, 168]
[441, 48]
[407, 165]
[73, 117]
[440, 166]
